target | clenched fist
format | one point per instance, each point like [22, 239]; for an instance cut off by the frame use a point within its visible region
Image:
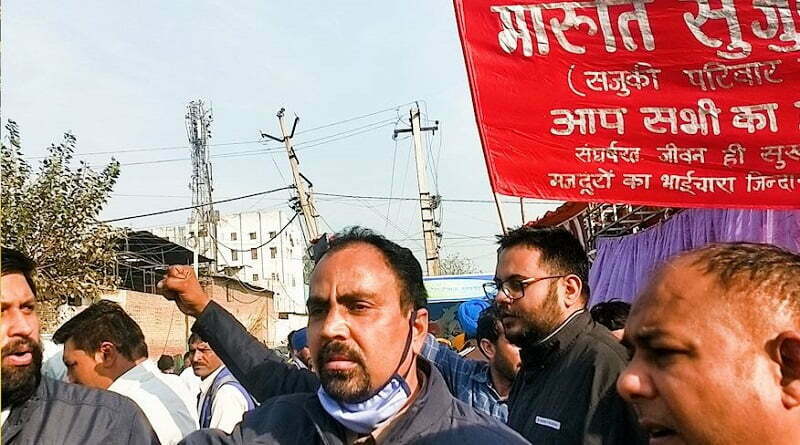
[181, 285]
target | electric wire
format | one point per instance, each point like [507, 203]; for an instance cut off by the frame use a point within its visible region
[162, 212]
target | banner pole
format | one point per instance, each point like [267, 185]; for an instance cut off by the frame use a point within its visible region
[500, 213]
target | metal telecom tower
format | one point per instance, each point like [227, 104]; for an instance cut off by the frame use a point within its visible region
[203, 219]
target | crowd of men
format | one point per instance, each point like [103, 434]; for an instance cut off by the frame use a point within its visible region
[710, 354]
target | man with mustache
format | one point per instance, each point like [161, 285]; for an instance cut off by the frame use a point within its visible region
[716, 335]
[36, 409]
[367, 322]
[565, 392]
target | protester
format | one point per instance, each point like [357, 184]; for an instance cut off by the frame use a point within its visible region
[612, 314]
[166, 364]
[716, 336]
[565, 392]
[223, 400]
[265, 375]
[40, 410]
[367, 320]
[301, 355]
[187, 375]
[104, 348]
[484, 384]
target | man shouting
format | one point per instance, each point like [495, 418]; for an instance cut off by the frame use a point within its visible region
[367, 322]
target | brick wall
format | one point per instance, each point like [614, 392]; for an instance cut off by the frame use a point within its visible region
[164, 326]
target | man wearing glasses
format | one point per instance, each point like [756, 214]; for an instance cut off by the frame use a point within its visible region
[565, 392]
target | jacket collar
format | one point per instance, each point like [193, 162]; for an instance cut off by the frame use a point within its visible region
[423, 413]
[554, 345]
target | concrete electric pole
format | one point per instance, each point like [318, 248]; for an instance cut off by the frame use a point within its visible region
[305, 190]
[427, 202]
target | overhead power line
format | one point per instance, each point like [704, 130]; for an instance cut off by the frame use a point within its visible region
[220, 144]
[400, 198]
[301, 146]
[162, 212]
[271, 239]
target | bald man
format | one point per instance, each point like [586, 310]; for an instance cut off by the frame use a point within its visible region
[717, 348]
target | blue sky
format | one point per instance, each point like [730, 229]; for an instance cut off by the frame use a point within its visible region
[119, 76]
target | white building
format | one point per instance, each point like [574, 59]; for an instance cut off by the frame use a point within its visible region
[250, 247]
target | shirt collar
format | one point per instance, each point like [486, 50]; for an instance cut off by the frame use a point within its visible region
[206, 383]
[134, 375]
[558, 341]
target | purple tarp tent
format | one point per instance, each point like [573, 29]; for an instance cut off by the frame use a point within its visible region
[623, 265]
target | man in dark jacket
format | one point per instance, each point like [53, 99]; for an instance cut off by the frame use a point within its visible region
[367, 322]
[38, 410]
[565, 392]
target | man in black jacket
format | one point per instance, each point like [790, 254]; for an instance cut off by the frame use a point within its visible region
[38, 410]
[565, 392]
[367, 322]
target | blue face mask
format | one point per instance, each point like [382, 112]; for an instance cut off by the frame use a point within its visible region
[362, 417]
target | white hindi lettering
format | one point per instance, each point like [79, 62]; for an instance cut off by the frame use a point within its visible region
[755, 117]
[515, 28]
[736, 48]
[772, 9]
[692, 121]
[611, 153]
[586, 182]
[776, 153]
[585, 119]
[622, 81]
[733, 155]
[756, 182]
[673, 154]
[714, 75]
[634, 181]
[693, 184]
[777, 15]
[797, 105]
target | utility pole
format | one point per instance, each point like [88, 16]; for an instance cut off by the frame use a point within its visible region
[203, 219]
[305, 190]
[427, 202]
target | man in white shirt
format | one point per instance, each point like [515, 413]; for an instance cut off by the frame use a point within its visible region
[223, 400]
[104, 348]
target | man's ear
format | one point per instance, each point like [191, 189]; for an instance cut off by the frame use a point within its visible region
[420, 326]
[573, 288]
[487, 348]
[107, 354]
[788, 355]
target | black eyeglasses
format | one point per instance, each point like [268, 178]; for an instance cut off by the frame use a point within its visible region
[513, 288]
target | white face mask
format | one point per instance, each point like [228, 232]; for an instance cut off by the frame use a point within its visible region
[363, 417]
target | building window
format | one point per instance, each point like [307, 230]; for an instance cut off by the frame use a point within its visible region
[255, 277]
[234, 255]
[273, 252]
[252, 235]
[272, 235]
[233, 236]
[294, 283]
[254, 254]
[274, 275]
[291, 241]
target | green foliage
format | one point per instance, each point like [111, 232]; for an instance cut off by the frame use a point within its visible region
[51, 214]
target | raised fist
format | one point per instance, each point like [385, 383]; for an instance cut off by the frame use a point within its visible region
[180, 285]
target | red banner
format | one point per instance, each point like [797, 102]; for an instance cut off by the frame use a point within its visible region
[692, 103]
